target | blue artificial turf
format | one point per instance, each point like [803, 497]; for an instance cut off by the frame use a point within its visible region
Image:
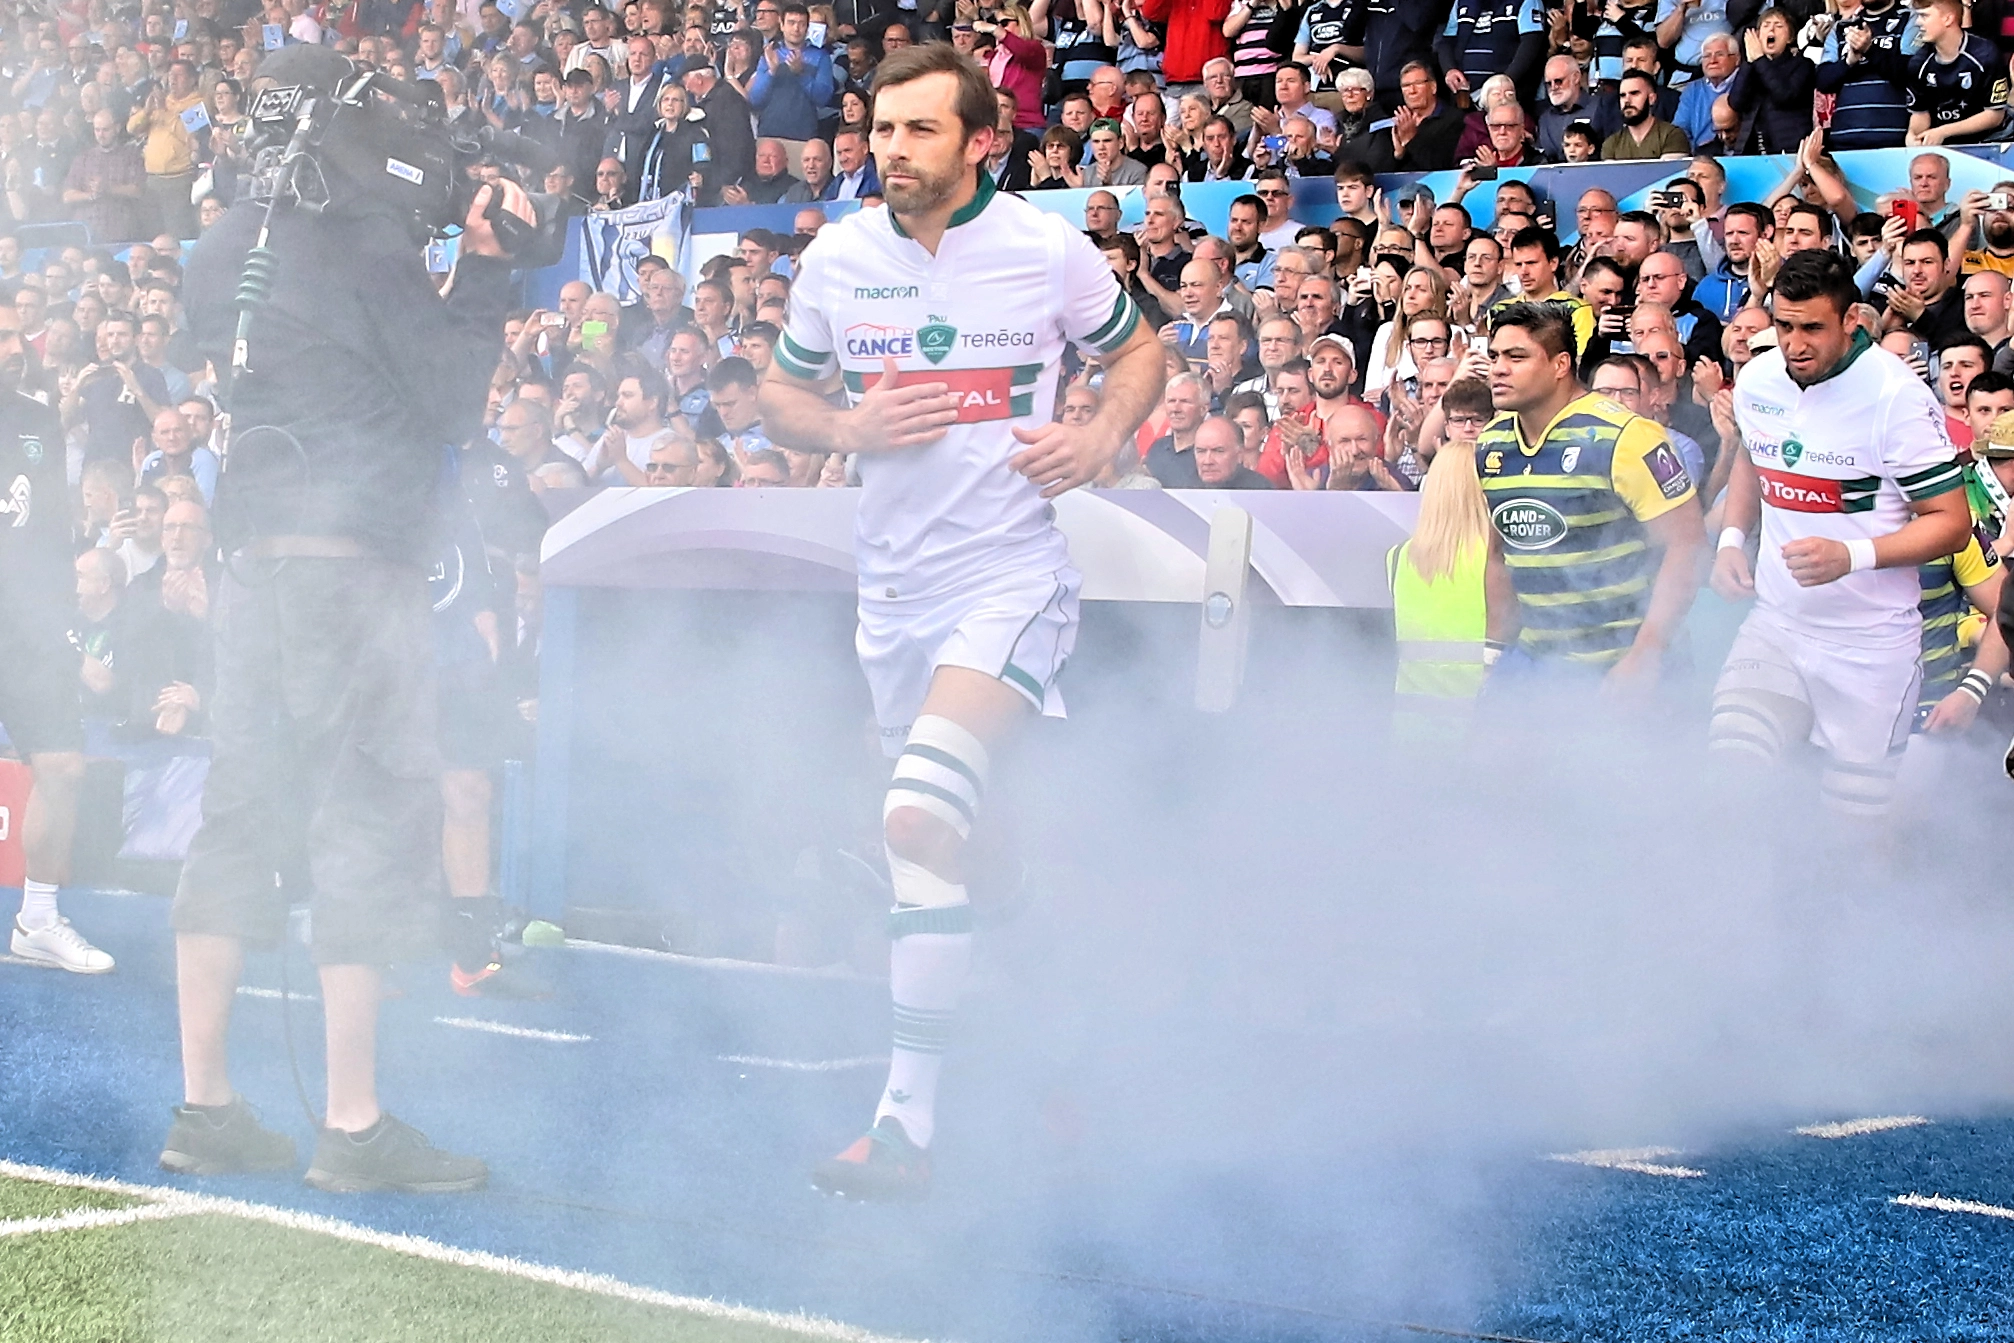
[1087, 1187]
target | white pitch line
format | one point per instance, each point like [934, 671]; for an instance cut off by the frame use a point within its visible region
[1636, 1160]
[418, 1247]
[724, 963]
[1938, 1203]
[1854, 1128]
[252, 991]
[84, 1219]
[805, 1065]
[518, 1032]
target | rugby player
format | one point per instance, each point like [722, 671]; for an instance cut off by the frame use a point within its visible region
[1595, 525]
[1854, 479]
[946, 314]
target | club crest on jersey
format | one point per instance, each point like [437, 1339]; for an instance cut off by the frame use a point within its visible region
[1793, 451]
[31, 448]
[18, 502]
[1569, 459]
[1529, 524]
[936, 339]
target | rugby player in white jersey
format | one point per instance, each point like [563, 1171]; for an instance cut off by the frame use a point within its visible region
[945, 315]
[1855, 482]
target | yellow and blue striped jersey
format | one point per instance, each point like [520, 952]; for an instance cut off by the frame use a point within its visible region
[1569, 512]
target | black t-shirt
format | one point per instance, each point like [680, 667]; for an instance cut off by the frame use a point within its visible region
[510, 515]
[1331, 21]
[1965, 87]
[1175, 470]
[1167, 270]
[105, 640]
[113, 417]
[361, 376]
[726, 20]
[1943, 320]
[38, 585]
[1244, 478]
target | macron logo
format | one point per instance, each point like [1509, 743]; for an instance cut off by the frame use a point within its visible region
[886, 291]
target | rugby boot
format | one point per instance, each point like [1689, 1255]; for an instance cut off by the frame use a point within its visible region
[882, 1167]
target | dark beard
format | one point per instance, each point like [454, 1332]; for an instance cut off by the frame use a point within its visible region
[1638, 119]
[2000, 235]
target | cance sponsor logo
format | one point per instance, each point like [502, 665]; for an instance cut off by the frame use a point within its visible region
[871, 340]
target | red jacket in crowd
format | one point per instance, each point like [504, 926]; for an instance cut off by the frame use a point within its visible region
[1195, 35]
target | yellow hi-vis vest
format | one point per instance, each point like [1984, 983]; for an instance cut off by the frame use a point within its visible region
[1440, 625]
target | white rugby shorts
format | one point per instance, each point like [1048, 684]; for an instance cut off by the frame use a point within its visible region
[1862, 700]
[1021, 631]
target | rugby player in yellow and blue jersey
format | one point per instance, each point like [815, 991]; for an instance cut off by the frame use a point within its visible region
[1596, 530]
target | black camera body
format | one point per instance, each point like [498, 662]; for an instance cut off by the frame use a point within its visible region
[384, 143]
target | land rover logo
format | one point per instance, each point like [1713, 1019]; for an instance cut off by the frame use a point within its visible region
[1528, 524]
[1792, 451]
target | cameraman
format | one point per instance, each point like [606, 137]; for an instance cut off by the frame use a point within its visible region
[325, 768]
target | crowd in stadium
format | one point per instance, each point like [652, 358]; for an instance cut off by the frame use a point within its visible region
[1598, 406]
[1301, 355]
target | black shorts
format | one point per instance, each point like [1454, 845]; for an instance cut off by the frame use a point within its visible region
[324, 768]
[480, 725]
[41, 700]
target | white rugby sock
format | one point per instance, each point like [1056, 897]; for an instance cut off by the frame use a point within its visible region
[926, 973]
[38, 904]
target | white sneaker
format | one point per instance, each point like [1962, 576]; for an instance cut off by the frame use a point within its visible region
[61, 946]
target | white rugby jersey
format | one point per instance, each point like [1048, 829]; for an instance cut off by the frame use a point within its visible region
[989, 315]
[1842, 459]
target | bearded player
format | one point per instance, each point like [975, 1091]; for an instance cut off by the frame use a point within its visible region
[946, 315]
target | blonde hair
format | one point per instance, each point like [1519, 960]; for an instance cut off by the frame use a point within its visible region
[1454, 516]
[1437, 309]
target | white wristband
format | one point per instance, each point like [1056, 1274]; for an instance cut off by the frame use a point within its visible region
[1732, 538]
[1861, 551]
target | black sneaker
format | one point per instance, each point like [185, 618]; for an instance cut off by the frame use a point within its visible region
[223, 1140]
[391, 1156]
[883, 1167]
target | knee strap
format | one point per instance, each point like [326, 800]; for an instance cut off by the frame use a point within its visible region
[925, 902]
[1858, 790]
[942, 771]
[1749, 723]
